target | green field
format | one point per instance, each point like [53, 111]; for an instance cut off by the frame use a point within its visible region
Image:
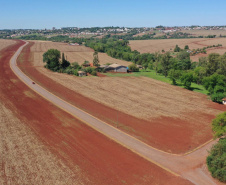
[152, 74]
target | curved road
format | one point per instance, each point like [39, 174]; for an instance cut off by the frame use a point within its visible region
[190, 166]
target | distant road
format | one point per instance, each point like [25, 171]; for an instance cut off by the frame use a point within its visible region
[189, 166]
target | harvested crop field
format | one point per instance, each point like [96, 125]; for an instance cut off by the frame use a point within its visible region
[72, 53]
[145, 108]
[205, 32]
[5, 43]
[25, 159]
[151, 46]
[44, 145]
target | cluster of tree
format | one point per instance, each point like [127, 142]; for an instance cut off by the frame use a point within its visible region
[33, 37]
[217, 155]
[180, 35]
[119, 49]
[57, 63]
[209, 71]
[211, 36]
[151, 36]
[203, 50]
[130, 36]
[62, 38]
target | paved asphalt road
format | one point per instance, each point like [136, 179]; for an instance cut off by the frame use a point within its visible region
[188, 166]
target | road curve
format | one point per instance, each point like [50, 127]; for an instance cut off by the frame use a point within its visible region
[187, 166]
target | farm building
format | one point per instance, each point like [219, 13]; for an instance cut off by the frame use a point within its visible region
[116, 68]
[86, 65]
[81, 73]
[224, 101]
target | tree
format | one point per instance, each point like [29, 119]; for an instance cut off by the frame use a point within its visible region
[145, 65]
[222, 65]
[186, 47]
[199, 74]
[219, 125]
[64, 62]
[177, 48]
[186, 79]
[174, 75]
[216, 85]
[216, 160]
[165, 62]
[52, 59]
[217, 155]
[213, 63]
[184, 62]
[95, 59]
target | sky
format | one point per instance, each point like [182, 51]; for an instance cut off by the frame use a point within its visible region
[33, 14]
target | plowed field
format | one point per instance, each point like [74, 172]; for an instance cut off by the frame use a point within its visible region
[145, 108]
[151, 46]
[72, 53]
[41, 144]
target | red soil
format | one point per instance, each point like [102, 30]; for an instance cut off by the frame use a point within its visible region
[101, 160]
[165, 133]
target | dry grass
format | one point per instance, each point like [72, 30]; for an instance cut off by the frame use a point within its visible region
[141, 97]
[25, 160]
[4, 43]
[73, 53]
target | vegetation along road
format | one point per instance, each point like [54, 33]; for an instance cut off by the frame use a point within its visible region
[190, 166]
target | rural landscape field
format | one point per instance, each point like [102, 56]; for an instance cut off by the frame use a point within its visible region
[56, 148]
[146, 100]
[151, 46]
[73, 53]
[112, 92]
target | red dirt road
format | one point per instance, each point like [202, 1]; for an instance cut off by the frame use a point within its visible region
[101, 160]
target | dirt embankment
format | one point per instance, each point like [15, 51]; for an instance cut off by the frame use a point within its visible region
[97, 159]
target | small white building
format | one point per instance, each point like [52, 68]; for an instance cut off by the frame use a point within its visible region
[224, 101]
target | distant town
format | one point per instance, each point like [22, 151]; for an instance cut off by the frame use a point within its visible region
[75, 32]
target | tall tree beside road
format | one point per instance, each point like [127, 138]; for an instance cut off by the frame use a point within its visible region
[52, 59]
[95, 59]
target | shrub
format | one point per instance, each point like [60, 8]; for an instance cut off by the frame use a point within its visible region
[89, 70]
[75, 73]
[94, 73]
[133, 67]
[69, 71]
[75, 65]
